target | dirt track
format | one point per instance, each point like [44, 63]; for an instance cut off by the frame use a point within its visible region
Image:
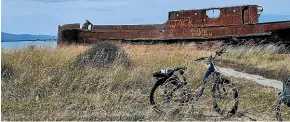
[255, 78]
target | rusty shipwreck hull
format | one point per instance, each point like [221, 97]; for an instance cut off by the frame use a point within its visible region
[233, 22]
[194, 33]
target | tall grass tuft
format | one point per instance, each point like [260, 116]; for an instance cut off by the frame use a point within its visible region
[7, 71]
[103, 55]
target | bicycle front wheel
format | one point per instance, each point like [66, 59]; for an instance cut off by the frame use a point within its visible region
[224, 97]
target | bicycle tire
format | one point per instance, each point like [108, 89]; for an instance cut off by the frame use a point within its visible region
[156, 85]
[278, 108]
[279, 102]
[216, 107]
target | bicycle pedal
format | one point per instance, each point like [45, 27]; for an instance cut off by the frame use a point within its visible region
[280, 93]
[225, 81]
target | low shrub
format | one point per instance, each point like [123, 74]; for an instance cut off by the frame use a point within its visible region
[103, 55]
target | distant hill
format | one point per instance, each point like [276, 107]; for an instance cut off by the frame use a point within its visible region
[13, 37]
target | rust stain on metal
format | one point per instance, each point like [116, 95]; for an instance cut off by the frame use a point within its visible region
[234, 21]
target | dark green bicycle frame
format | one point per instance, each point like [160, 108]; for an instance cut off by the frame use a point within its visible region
[210, 70]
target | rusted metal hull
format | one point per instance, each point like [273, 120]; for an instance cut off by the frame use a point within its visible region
[241, 22]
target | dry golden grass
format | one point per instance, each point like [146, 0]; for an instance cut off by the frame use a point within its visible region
[47, 88]
[260, 56]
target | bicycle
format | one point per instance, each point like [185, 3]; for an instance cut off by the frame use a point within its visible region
[283, 101]
[218, 91]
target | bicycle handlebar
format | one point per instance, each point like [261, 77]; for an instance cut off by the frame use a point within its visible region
[200, 59]
[218, 53]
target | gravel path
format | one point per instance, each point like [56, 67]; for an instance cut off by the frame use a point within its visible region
[255, 78]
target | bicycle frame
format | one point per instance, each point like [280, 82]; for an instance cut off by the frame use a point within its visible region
[210, 71]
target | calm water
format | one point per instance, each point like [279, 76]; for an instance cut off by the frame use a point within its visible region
[23, 44]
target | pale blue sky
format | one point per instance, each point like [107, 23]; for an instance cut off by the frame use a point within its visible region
[43, 16]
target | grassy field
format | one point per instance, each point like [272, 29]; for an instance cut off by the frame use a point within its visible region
[46, 87]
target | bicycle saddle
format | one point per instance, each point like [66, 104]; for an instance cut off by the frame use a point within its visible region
[286, 90]
[168, 72]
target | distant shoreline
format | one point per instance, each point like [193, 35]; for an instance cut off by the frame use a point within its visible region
[27, 40]
[23, 44]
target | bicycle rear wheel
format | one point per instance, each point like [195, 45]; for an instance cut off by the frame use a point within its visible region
[224, 97]
[167, 97]
[281, 109]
